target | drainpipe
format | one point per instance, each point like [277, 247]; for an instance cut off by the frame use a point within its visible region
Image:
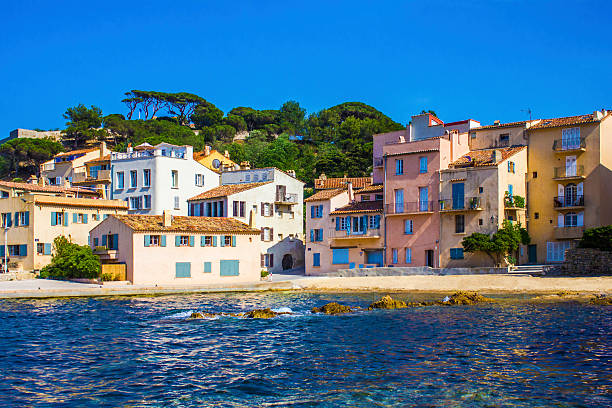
[384, 213]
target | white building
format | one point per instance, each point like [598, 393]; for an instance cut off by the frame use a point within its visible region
[267, 199]
[157, 178]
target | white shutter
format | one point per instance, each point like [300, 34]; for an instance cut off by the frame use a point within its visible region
[580, 219]
[549, 251]
[560, 220]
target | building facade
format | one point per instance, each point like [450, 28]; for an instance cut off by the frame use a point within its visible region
[179, 250]
[62, 169]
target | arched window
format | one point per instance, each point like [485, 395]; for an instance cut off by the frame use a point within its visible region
[571, 219]
[571, 197]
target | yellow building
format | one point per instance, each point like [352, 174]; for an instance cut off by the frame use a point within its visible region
[569, 182]
[214, 160]
[32, 216]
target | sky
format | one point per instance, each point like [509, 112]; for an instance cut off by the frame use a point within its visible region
[481, 59]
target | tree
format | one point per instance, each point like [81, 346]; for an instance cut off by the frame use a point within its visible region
[206, 114]
[83, 124]
[23, 156]
[235, 121]
[132, 103]
[71, 261]
[499, 246]
[599, 238]
[291, 117]
[432, 112]
[182, 105]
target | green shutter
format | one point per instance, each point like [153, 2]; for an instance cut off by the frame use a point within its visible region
[191, 241]
[53, 218]
[214, 239]
[75, 218]
[202, 240]
[183, 270]
[233, 240]
[104, 239]
[162, 240]
[229, 267]
[2, 251]
[177, 240]
[222, 240]
[115, 241]
[207, 267]
[27, 218]
[84, 218]
[65, 219]
[147, 240]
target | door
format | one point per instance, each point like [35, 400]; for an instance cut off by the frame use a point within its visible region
[570, 198]
[570, 166]
[374, 257]
[423, 198]
[532, 254]
[429, 257]
[399, 201]
[458, 196]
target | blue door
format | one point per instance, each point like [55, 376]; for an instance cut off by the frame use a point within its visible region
[399, 201]
[458, 196]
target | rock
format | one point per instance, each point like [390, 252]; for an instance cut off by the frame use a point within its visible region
[601, 300]
[332, 309]
[466, 298]
[567, 293]
[261, 314]
[387, 302]
[199, 315]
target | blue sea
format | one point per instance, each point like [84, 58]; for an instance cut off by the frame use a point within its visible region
[143, 352]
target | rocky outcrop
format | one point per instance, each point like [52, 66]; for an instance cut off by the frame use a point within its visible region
[465, 298]
[601, 300]
[387, 302]
[202, 315]
[332, 309]
[261, 314]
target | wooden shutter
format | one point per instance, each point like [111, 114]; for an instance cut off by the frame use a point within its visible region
[177, 240]
[75, 218]
[191, 240]
[262, 233]
[233, 240]
[271, 263]
[271, 234]
[162, 240]
[262, 258]
[147, 240]
[214, 241]
[53, 218]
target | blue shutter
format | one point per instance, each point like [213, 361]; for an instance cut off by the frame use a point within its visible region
[312, 235]
[348, 224]
[95, 242]
[53, 218]
[9, 219]
[163, 240]
[320, 234]
[23, 250]
[16, 219]
[84, 218]
[48, 247]
[233, 240]
[229, 268]
[364, 223]
[377, 221]
[183, 270]
[177, 240]
[191, 241]
[104, 240]
[147, 240]
[510, 189]
[74, 218]
[27, 218]
[215, 241]
[115, 241]
[316, 259]
[65, 219]
[202, 241]
[222, 240]
[2, 250]
[207, 267]
[337, 223]
[312, 211]
[321, 211]
[340, 256]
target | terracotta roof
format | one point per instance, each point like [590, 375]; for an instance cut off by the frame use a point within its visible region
[485, 157]
[44, 189]
[325, 195]
[340, 182]
[502, 125]
[186, 224]
[100, 159]
[226, 190]
[360, 207]
[566, 121]
[374, 188]
[435, 149]
[81, 202]
[80, 151]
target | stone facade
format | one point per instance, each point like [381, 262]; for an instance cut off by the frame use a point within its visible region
[586, 262]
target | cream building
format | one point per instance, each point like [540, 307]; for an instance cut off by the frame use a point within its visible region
[64, 167]
[33, 216]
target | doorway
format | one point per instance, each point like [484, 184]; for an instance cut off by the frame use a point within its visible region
[429, 258]
[532, 254]
[287, 262]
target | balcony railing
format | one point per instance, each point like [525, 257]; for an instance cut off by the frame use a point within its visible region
[99, 176]
[575, 143]
[287, 198]
[461, 204]
[569, 201]
[369, 233]
[409, 207]
[569, 172]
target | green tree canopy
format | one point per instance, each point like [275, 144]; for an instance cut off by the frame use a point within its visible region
[71, 261]
[22, 157]
[500, 245]
[599, 238]
[83, 124]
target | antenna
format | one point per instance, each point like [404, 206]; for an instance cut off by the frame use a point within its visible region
[528, 110]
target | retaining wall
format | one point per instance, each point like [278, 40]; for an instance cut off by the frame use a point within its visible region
[586, 262]
[415, 270]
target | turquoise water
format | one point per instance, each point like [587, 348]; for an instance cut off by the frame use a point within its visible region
[142, 352]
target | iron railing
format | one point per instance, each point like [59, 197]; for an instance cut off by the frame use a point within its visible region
[569, 201]
[569, 172]
[409, 207]
[574, 143]
[467, 203]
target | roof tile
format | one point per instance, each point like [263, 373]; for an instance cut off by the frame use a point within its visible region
[485, 157]
[226, 190]
[325, 195]
[339, 182]
[359, 207]
[186, 224]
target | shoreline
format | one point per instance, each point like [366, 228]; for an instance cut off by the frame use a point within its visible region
[490, 284]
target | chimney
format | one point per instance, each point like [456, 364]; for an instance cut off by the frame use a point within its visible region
[597, 115]
[496, 156]
[402, 139]
[102, 149]
[496, 122]
[291, 173]
[245, 165]
[130, 149]
[252, 219]
[323, 176]
[351, 194]
[167, 218]
[207, 149]
[33, 179]
[226, 154]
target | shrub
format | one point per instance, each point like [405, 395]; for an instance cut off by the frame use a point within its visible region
[264, 273]
[599, 238]
[71, 261]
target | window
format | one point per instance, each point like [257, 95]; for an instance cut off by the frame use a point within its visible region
[207, 267]
[146, 178]
[340, 224]
[473, 135]
[504, 139]
[229, 267]
[248, 177]
[536, 215]
[207, 241]
[570, 138]
[264, 177]
[373, 221]
[459, 223]
[340, 256]
[378, 197]
[133, 179]
[43, 248]
[365, 198]
[174, 178]
[399, 167]
[255, 178]
[267, 260]
[22, 219]
[177, 203]
[182, 240]
[480, 222]
[183, 270]
[57, 218]
[316, 211]
[155, 240]
[480, 190]
[199, 180]
[18, 250]
[535, 174]
[408, 225]
[399, 201]
[266, 234]
[120, 180]
[555, 251]
[266, 209]
[423, 198]
[316, 259]
[571, 219]
[78, 218]
[510, 167]
[227, 240]
[456, 253]
[316, 235]
[239, 208]
[408, 255]
[395, 256]
[147, 202]
[135, 203]
[423, 164]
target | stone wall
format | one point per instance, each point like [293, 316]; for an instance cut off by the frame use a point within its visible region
[416, 270]
[586, 262]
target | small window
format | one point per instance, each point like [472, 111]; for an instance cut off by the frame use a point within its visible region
[459, 223]
[155, 239]
[510, 167]
[399, 167]
[456, 253]
[423, 164]
[480, 190]
[395, 256]
[174, 178]
[408, 225]
[264, 177]
[208, 241]
[177, 203]
[535, 174]
[504, 139]
[147, 201]
[120, 180]
[536, 216]
[480, 222]
[40, 249]
[255, 178]
[133, 179]
[146, 177]
[408, 255]
[248, 177]
[316, 259]
[227, 240]
[184, 240]
[473, 135]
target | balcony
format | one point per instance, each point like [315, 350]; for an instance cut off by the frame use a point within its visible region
[569, 173]
[569, 232]
[514, 202]
[100, 176]
[374, 233]
[461, 204]
[106, 254]
[569, 202]
[573, 145]
[415, 207]
[286, 199]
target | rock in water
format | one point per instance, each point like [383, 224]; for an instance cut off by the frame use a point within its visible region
[198, 315]
[261, 314]
[387, 302]
[332, 309]
[601, 300]
[466, 298]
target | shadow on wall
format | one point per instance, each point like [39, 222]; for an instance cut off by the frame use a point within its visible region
[288, 254]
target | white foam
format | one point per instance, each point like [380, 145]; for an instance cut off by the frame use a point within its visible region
[282, 310]
[180, 315]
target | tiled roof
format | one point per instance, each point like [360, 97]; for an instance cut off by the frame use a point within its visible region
[340, 182]
[374, 188]
[80, 151]
[44, 189]
[485, 157]
[435, 149]
[502, 125]
[566, 121]
[226, 190]
[81, 202]
[359, 207]
[186, 224]
[100, 159]
[325, 195]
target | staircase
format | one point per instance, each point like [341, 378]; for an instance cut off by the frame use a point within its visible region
[530, 270]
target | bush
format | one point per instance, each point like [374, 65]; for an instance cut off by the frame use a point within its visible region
[71, 261]
[264, 273]
[599, 238]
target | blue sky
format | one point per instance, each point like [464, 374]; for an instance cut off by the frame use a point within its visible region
[476, 59]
